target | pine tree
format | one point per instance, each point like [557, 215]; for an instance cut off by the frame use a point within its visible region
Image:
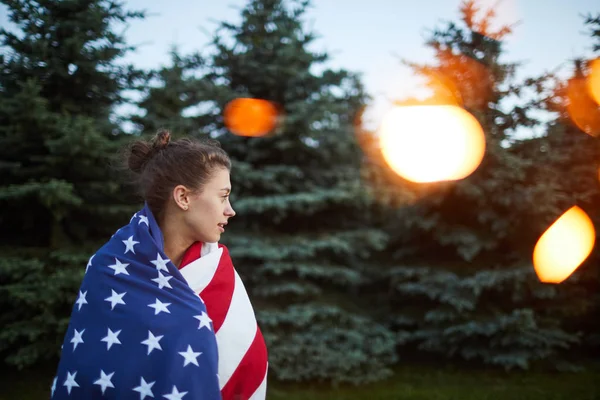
[484, 305]
[301, 238]
[172, 92]
[60, 78]
[568, 154]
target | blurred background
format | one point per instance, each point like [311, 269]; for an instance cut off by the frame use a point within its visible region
[416, 184]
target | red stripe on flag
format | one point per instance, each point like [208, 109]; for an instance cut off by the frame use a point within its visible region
[246, 378]
[191, 254]
[218, 293]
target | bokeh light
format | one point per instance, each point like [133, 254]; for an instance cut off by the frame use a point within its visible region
[250, 117]
[564, 246]
[582, 107]
[593, 80]
[431, 143]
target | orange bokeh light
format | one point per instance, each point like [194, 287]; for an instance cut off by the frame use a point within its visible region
[593, 80]
[564, 246]
[250, 117]
[582, 108]
[432, 143]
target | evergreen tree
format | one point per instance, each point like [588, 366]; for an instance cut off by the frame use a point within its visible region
[60, 77]
[486, 304]
[594, 29]
[171, 93]
[568, 154]
[300, 238]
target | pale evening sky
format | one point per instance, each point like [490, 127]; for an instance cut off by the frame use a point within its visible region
[369, 36]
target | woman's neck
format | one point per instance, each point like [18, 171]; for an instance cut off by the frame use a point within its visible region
[175, 242]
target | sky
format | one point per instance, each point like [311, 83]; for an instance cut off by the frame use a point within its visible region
[371, 37]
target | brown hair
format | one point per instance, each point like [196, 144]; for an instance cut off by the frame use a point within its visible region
[161, 164]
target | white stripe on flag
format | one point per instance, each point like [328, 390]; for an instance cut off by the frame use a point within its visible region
[237, 332]
[200, 272]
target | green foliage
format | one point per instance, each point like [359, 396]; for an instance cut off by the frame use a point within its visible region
[501, 317]
[36, 296]
[60, 77]
[350, 348]
[170, 93]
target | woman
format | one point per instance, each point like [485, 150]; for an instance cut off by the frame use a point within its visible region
[161, 312]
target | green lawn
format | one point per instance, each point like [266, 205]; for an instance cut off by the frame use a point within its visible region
[409, 383]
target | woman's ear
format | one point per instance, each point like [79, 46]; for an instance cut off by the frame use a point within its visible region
[181, 195]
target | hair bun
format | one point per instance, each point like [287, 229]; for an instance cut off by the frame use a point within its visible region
[161, 140]
[141, 151]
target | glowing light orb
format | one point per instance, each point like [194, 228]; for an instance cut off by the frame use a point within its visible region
[250, 117]
[564, 246]
[432, 143]
[593, 80]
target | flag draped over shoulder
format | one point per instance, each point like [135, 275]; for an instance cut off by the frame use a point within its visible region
[243, 365]
[137, 329]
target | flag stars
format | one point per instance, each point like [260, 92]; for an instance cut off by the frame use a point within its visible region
[190, 357]
[111, 338]
[119, 267]
[160, 263]
[159, 307]
[77, 338]
[70, 382]
[81, 300]
[162, 281]
[175, 394]
[204, 320]
[152, 342]
[129, 243]
[115, 298]
[143, 219]
[104, 381]
[145, 388]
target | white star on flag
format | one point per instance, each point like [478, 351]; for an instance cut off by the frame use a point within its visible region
[163, 281]
[190, 356]
[89, 264]
[129, 243]
[145, 389]
[119, 267]
[204, 320]
[77, 338]
[152, 342]
[175, 394]
[70, 381]
[143, 219]
[104, 381]
[81, 299]
[115, 298]
[159, 307]
[53, 388]
[160, 263]
[111, 338]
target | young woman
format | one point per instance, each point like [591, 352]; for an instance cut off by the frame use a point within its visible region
[161, 312]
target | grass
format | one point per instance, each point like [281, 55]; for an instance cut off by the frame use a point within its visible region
[420, 383]
[409, 383]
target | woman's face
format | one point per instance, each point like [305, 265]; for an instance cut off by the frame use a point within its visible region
[210, 209]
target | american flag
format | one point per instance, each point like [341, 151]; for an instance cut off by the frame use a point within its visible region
[243, 364]
[137, 329]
